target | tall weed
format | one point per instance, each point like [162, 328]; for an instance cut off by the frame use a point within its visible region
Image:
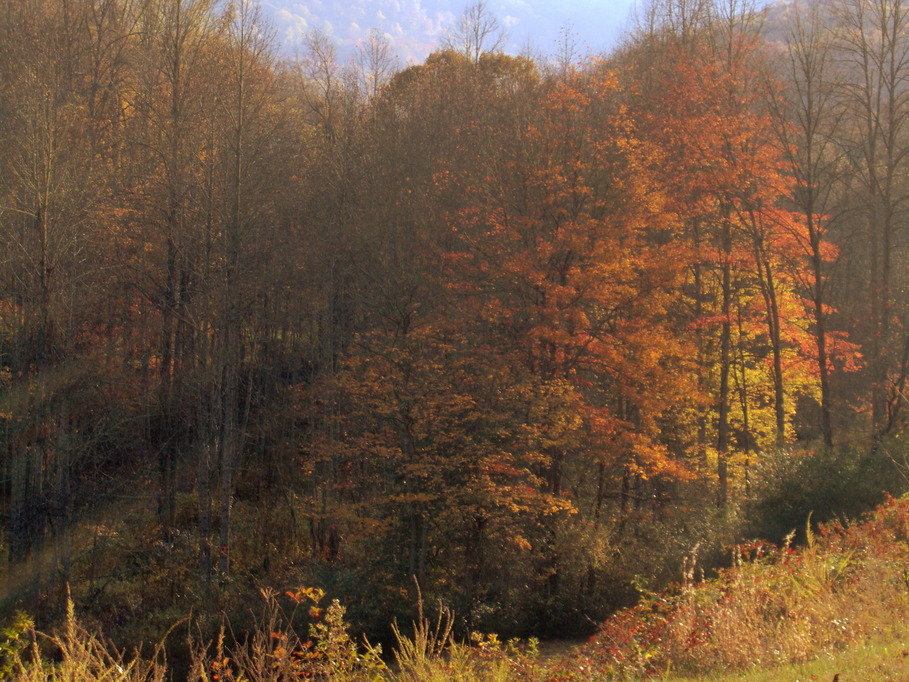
[73, 655]
[773, 606]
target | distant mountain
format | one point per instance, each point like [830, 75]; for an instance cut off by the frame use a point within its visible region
[778, 14]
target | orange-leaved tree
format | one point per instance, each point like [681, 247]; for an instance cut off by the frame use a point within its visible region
[561, 265]
[724, 169]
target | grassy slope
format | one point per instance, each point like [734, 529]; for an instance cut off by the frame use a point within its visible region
[883, 658]
[840, 605]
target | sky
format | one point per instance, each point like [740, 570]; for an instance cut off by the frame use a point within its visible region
[416, 27]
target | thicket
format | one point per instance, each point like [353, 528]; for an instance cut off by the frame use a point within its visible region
[846, 588]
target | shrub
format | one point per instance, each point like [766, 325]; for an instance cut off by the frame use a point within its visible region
[275, 651]
[828, 484]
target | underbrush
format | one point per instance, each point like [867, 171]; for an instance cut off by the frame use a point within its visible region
[830, 483]
[847, 589]
[275, 652]
[774, 606]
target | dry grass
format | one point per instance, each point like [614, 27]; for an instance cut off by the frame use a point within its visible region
[837, 606]
[774, 607]
[881, 658]
[78, 655]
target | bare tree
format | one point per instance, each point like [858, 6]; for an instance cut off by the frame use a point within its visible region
[245, 113]
[679, 20]
[873, 49]
[170, 103]
[376, 62]
[808, 119]
[476, 31]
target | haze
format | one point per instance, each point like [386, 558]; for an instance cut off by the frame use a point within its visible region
[415, 27]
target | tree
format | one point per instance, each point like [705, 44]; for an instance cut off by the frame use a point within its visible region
[724, 170]
[247, 123]
[560, 262]
[171, 115]
[376, 62]
[476, 32]
[808, 119]
[47, 223]
[874, 50]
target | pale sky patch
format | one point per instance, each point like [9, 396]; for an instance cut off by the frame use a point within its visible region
[418, 26]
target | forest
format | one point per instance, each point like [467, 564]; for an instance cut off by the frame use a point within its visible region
[518, 332]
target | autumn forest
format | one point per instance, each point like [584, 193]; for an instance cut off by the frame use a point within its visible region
[520, 330]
